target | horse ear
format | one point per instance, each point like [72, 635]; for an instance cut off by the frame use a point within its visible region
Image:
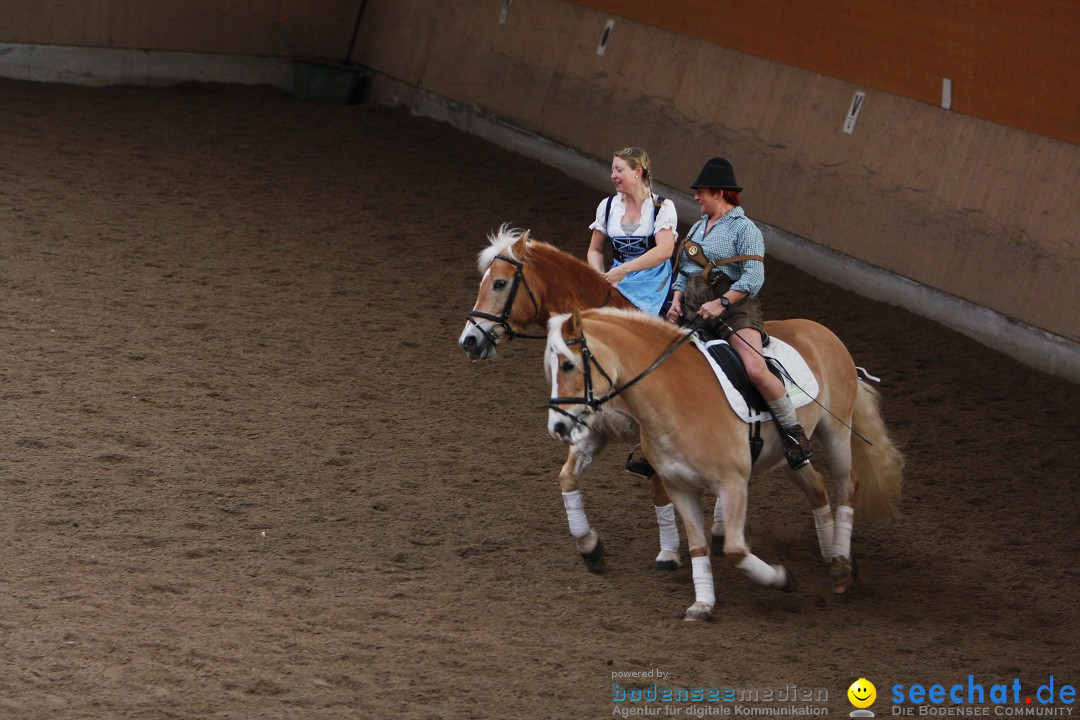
[575, 322]
[518, 250]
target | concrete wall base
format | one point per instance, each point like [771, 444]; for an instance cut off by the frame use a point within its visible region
[114, 66]
[1029, 345]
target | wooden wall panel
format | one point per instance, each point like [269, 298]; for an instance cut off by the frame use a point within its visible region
[976, 209]
[1010, 63]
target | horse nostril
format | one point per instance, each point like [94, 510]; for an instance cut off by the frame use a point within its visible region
[469, 342]
[560, 429]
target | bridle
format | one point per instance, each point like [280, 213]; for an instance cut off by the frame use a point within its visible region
[589, 399]
[503, 319]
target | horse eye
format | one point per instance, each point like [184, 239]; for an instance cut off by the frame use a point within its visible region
[567, 366]
[499, 284]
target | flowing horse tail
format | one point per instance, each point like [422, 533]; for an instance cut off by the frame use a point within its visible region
[879, 464]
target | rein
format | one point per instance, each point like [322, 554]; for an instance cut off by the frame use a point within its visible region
[589, 399]
[503, 319]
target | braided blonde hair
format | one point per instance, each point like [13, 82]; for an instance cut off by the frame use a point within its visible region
[636, 158]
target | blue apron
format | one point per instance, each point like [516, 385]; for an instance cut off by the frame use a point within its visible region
[647, 289]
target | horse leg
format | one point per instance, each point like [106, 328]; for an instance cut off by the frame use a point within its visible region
[668, 559]
[812, 485]
[587, 540]
[837, 442]
[735, 548]
[718, 524]
[688, 503]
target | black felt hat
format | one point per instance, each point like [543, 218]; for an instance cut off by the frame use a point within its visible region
[717, 175]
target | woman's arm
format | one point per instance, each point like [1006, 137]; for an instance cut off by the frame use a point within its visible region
[595, 256]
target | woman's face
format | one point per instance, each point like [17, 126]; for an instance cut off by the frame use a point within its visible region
[711, 201]
[623, 177]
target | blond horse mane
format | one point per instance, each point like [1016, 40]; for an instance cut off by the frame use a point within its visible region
[557, 278]
[500, 243]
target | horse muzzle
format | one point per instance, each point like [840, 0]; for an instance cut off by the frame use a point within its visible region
[565, 426]
[476, 343]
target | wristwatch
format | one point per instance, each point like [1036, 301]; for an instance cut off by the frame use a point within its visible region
[724, 301]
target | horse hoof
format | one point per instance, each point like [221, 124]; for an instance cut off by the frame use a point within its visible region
[667, 561]
[698, 613]
[842, 574]
[594, 560]
[788, 585]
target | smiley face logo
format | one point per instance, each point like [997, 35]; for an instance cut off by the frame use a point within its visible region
[862, 693]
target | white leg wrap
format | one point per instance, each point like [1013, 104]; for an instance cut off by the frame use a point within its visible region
[845, 523]
[760, 571]
[575, 513]
[823, 521]
[704, 591]
[669, 531]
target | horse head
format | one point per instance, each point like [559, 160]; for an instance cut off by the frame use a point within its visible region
[579, 383]
[505, 304]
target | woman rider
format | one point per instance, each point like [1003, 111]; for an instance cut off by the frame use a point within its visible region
[640, 228]
[727, 296]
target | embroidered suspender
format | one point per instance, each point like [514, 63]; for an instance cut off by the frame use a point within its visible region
[695, 252]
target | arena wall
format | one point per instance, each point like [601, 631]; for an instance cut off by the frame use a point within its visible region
[980, 211]
[961, 213]
[234, 27]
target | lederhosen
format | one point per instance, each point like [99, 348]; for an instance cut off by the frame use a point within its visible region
[709, 285]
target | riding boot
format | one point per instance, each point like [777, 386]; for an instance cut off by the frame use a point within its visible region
[797, 447]
[639, 467]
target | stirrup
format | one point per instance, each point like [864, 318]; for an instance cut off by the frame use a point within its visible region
[640, 467]
[797, 447]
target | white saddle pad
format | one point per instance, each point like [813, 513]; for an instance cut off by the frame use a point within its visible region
[802, 391]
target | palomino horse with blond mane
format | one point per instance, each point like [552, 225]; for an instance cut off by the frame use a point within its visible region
[524, 283]
[602, 358]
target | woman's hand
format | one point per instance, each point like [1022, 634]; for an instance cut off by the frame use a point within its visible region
[615, 275]
[713, 308]
[674, 313]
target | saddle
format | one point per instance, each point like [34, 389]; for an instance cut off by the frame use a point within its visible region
[782, 360]
[733, 366]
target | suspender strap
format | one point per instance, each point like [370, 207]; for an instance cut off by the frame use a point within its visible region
[696, 253]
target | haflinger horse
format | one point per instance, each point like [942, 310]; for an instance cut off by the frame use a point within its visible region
[524, 283]
[601, 358]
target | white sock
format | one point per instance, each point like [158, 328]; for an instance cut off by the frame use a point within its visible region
[784, 411]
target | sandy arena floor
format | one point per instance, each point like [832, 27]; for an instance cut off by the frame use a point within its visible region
[248, 473]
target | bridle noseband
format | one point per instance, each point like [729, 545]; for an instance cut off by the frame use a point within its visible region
[503, 319]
